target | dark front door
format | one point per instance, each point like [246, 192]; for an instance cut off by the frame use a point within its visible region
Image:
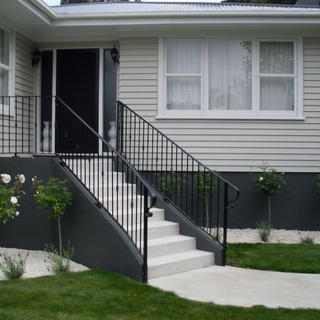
[78, 86]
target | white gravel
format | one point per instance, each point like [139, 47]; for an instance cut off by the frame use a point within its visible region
[276, 236]
[37, 264]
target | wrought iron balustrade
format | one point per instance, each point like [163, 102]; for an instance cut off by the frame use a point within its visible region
[198, 192]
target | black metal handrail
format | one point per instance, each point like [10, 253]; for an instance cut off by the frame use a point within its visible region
[117, 186]
[198, 192]
[17, 124]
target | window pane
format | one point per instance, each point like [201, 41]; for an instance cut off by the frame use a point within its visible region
[277, 57]
[4, 47]
[183, 56]
[183, 93]
[4, 82]
[230, 75]
[277, 94]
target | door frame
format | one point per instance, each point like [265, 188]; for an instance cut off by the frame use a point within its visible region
[54, 91]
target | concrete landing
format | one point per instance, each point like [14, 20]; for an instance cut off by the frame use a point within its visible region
[245, 287]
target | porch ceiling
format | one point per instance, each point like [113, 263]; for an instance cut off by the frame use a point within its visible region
[42, 24]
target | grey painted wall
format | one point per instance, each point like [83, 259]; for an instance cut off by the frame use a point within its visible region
[98, 240]
[295, 207]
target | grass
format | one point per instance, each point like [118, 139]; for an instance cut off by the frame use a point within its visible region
[98, 295]
[302, 258]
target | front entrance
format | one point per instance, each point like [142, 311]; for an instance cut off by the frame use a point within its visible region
[78, 86]
[85, 79]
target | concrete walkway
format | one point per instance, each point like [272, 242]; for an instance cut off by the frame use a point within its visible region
[245, 287]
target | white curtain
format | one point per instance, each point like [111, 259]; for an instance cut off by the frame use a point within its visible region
[183, 74]
[276, 57]
[230, 75]
[277, 93]
[4, 82]
[183, 93]
[183, 56]
[4, 47]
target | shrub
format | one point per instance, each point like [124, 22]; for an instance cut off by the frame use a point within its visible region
[10, 192]
[264, 230]
[54, 196]
[13, 267]
[59, 262]
[269, 181]
[307, 240]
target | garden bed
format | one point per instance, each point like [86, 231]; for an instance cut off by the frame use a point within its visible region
[37, 263]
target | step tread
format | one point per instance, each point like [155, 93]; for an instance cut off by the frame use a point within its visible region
[125, 213]
[178, 257]
[169, 240]
[157, 224]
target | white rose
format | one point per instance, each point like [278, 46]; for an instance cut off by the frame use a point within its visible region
[21, 178]
[5, 178]
[261, 179]
[17, 213]
[14, 200]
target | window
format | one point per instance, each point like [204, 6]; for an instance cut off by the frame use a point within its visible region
[183, 74]
[5, 70]
[230, 78]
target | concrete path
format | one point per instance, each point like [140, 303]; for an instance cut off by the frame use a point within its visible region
[245, 287]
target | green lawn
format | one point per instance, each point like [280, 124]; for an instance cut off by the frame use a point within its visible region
[100, 295]
[303, 258]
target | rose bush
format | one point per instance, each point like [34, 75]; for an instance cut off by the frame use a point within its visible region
[10, 193]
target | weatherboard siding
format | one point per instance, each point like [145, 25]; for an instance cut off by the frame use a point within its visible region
[24, 72]
[228, 145]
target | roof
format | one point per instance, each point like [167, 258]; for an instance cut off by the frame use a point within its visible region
[131, 7]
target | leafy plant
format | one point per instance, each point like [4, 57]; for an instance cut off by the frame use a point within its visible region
[60, 262]
[13, 267]
[206, 183]
[10, 192]
[269, 181]
[54, 196]
[307, 240]
[169, 183]
[264, 230]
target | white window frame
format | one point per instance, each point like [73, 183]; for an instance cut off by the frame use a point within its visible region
[255, 112]
[4, 109]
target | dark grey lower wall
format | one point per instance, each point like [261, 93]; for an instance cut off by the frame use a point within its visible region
[295, 207]
[98, 240]
[32, 228]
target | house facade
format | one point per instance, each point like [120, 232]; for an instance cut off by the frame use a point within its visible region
[237, 86]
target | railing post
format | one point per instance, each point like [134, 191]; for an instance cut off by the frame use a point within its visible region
[225, 222]
[146, 216]
[118, 126]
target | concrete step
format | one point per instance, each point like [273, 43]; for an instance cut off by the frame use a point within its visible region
[170, 245]
[109, 191]
[156, 229]
[178, 263]
[128, 218]
[106, 177]
[122, 203]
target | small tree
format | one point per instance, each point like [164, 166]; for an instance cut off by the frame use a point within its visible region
[206, 183]
[10, 192]
[269, 181]
[169, 183]
[54, 196]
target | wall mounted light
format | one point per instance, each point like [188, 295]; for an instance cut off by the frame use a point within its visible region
[115, 55]
[35, 57]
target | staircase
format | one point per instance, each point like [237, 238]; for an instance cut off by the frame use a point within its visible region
[126, 181]
[169, 252]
